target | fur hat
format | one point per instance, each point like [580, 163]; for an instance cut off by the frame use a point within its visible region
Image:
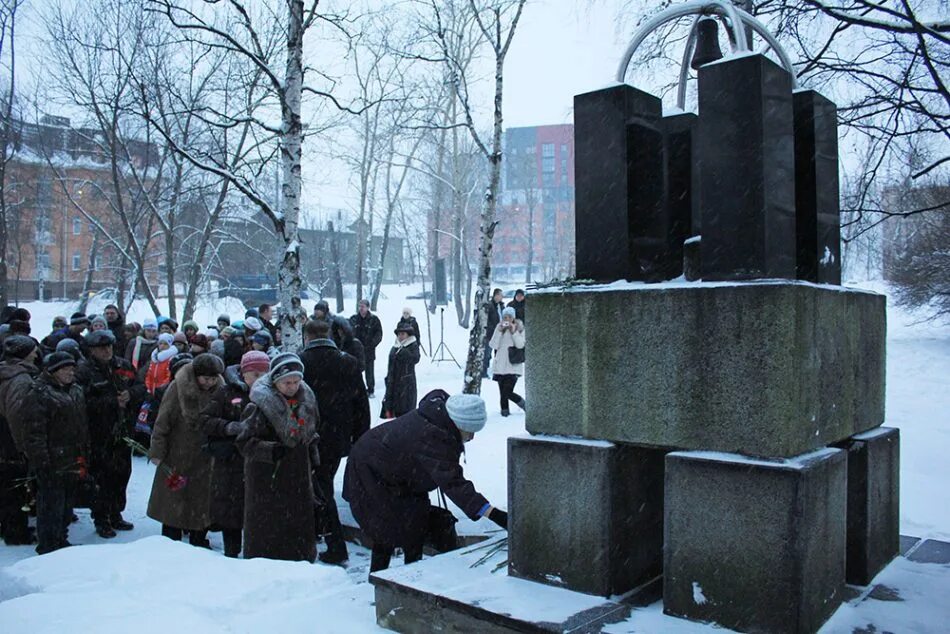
[179, 337]
[58, 361]
[200, 340]
[99, 338]
[467, 411]
[284, 365]
[255, 361]
[20, 327]
[179, 361]
[78, 319]
[18, 346]
[207, 365]
[20, 314]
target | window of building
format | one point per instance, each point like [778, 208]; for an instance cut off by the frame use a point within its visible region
[531, 150]
[77, 226]
[564, 150]
[77, 261]
[547, 150]
[547, 164]
[42, 262]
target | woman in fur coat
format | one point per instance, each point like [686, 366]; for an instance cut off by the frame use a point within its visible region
[279, 444]
[401, 396]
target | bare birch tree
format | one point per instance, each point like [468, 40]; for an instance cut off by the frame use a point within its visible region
[8, 131]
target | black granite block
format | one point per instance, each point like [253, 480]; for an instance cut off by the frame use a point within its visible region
[755, 545]
[931, 552]
[817, 210]
[873, 502]
[617, 172]
[650, 242]
[747, 170]
[681, 218]
[604, 533]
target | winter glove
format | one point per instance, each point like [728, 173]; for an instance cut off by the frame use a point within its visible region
[278, 452]
[233, 428]
[499, 517]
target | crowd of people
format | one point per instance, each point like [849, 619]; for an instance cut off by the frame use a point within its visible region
[246, 438]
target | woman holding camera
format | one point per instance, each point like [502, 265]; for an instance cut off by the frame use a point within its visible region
[508, 344]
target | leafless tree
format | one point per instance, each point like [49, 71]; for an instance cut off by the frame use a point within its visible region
[8, 132]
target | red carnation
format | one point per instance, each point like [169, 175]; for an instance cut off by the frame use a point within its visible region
[176, 481]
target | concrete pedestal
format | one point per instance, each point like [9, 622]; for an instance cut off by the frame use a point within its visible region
[873, 502]
[585, 515]
[755, 545]
[768, 368]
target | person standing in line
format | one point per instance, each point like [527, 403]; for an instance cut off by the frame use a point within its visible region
[393, 467]
[406, 319]
[113, 394]
[508, 336]
[181, 489]
[158, 373]
[265, 312]
[56, 445]
[334, 377]
[221, 421]
[279, 444]
[138, 351]
[368, 329]
[401, 392]
[116, 324]
[17, 372]
[493, 308]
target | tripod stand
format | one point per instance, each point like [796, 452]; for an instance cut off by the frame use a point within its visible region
[438, 355]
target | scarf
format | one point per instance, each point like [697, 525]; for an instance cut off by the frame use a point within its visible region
[137, 349]
[293, 419]
[163, 355]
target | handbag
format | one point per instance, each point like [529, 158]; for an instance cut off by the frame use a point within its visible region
[441, 533]
[515, 355]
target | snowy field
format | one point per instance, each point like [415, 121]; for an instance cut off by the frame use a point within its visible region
[143, 581]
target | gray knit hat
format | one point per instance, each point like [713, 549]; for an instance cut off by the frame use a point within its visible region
[467, 411]
[18, 346]
[509, 312]
[284, 365]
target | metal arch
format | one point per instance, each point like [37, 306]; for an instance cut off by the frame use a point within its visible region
[703, 7]
[738, 42]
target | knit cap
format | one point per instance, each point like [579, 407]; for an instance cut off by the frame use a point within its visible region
[255, 361]
[253, 323]
[191, 324]
[70, 346]
[167, 338]
[78, 319]
[150, 324]
[225, 318]
[179, 337]
[262, 338]
[178, 361]
[467, 411]
[57, 361]
[18, 346]
[284, 365]
[508, 312]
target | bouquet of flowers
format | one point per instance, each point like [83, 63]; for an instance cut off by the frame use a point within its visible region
[173, 480]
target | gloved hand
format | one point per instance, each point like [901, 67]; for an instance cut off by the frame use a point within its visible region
[499, 517]
[278, 452]
[233, 428]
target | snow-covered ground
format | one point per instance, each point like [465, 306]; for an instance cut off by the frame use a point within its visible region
[143, 581]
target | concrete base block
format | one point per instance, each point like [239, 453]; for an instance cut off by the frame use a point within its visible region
[768, 368]
[755, 545]
[873, 502]
[454, 593]
[585, 515]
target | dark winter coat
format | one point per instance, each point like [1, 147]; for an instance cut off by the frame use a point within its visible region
[233, 351]
[345, 339]
[50, 342]
[412, 323]
[57, 435]
[519, 309]
[117, 328]
[138, 352]
[227, 465]
[394, 466]
[109, 424]
[177, 441]
[369, 331]
[335, 379]
[401, 395]
[279, 502]
[16, 377]
[494, 318]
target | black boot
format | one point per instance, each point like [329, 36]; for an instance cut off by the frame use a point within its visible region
[120, 524]
[335, 554]
[519, 401]
[199, 539]
[232, 542]
[104, 530]
[505, 413]
[382, 555]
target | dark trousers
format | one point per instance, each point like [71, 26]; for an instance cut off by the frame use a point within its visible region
[54, 511]
[232, 542]
[328, 518]
[486, 360]
[112, 473]
[383, 554]
[195, 538]
[506, 385]
[370, 372]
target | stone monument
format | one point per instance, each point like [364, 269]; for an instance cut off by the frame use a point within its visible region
[722, 435]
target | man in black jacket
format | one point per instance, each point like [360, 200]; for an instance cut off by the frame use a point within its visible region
[518, 304]
[494, 308]
[113, 395]
[335, 379]
[368, 329]
[394, 467]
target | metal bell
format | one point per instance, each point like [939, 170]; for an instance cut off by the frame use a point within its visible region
[707, 43]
